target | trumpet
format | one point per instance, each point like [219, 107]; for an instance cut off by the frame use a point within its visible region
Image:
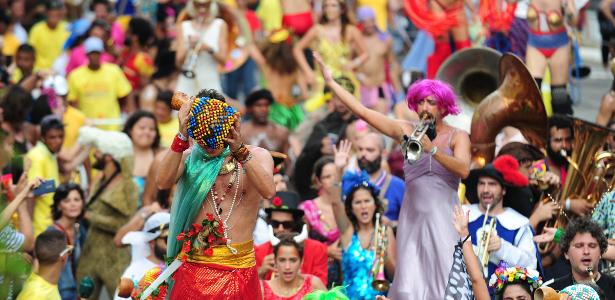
[189, 66]
[412, 146]
[379, 281]
[483, 254]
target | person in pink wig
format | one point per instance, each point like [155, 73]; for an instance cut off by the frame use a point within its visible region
[425, 235]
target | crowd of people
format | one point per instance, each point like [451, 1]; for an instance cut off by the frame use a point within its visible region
[298, 149]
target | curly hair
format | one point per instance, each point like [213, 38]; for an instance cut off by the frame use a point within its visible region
[286, 239]
[212, 94]
[279, 57]
[16, 106]
[583, 225]
[350, 198]
[442, 92]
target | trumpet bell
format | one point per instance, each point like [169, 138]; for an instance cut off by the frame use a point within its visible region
[380, 285]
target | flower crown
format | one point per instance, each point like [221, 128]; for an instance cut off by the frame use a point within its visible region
[351, 180]
[504, 274]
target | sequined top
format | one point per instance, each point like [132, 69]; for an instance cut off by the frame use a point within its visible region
[313, 216]
[357, 265]
[604, 214]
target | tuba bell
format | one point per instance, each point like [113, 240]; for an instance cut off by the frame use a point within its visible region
[588, 140]
[517, 103]
[473, 75]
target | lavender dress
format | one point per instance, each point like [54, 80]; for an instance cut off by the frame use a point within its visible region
[425, 233]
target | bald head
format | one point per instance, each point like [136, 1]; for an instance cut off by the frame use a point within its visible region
[369, 152]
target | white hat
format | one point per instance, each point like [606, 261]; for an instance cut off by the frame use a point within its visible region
[152, 229]
[116, 144]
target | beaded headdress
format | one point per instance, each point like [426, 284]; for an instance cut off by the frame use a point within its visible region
[211, 122]
[505, 274]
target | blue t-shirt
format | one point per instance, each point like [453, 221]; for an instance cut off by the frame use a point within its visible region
[395, 196]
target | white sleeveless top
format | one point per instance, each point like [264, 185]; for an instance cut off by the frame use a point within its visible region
[207, 76]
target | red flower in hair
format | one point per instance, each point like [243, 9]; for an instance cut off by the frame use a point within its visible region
[276, 201]
[509, 168]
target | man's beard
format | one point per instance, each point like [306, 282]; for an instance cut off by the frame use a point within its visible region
[370, 167]
[159, 252]
[556, 158]
[99, 164]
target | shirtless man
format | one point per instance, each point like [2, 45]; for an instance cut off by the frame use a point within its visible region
[220, 261]
[258, 130]
[376, 92]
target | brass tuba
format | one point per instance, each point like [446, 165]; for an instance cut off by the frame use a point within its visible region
[473, 75]
[517, 103]
[588, 140]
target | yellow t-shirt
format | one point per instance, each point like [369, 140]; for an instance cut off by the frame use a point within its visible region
[45, 166]
[73, 119]
[381, 10]
[168, 131]
[97, 92]
[48, 43]
[36, 287]
[10, 44]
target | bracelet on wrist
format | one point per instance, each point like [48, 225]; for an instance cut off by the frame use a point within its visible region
[182, 136]
[179, 145]
[567, 206]
[434, 150]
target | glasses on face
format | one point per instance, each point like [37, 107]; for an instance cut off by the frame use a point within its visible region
[68, 250]
[285, 224]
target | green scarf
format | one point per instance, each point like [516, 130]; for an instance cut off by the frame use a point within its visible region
[199, 175]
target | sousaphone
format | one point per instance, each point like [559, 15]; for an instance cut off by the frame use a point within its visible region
[517, 103]
[473, 74]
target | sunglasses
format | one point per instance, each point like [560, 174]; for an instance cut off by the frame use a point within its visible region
[68, 250]
[285, 224]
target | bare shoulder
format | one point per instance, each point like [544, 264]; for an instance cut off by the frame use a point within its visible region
[317, 283]
[261, 154]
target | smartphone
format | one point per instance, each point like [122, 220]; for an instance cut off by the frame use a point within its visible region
[46, 187]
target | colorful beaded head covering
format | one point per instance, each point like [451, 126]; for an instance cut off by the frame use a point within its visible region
[211, 122]
[504, 275]
[581, 292]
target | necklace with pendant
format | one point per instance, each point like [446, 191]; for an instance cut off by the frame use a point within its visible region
[228, 167]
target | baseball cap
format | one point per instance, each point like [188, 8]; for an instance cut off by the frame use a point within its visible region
[93, 44]
[153, 228]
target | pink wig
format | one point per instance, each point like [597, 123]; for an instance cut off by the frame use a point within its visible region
[442, 92]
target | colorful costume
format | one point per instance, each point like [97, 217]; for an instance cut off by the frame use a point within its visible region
[223, 275]
[438, 26]
[547, 39]
[357, 265]
[314, 258]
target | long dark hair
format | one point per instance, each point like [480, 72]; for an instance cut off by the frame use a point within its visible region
[345, 18]
[130, 123]
[60, 194]
[348, 205]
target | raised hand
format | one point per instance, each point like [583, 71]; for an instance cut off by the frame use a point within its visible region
[341, 154]
[234, 140]
[184, 115]
[326, 72]
[460, 221]
[547, 236]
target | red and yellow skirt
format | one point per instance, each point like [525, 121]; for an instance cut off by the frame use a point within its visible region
[223, 275]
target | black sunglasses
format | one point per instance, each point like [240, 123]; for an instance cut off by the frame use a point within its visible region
[285, 224]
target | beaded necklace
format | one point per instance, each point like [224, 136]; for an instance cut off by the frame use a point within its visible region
[214, 203]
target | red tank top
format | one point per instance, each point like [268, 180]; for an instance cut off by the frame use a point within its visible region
[305, 289]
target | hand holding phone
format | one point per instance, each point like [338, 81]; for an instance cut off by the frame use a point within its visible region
[46, 187]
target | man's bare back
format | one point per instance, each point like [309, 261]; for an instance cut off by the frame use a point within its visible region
[271, 136]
